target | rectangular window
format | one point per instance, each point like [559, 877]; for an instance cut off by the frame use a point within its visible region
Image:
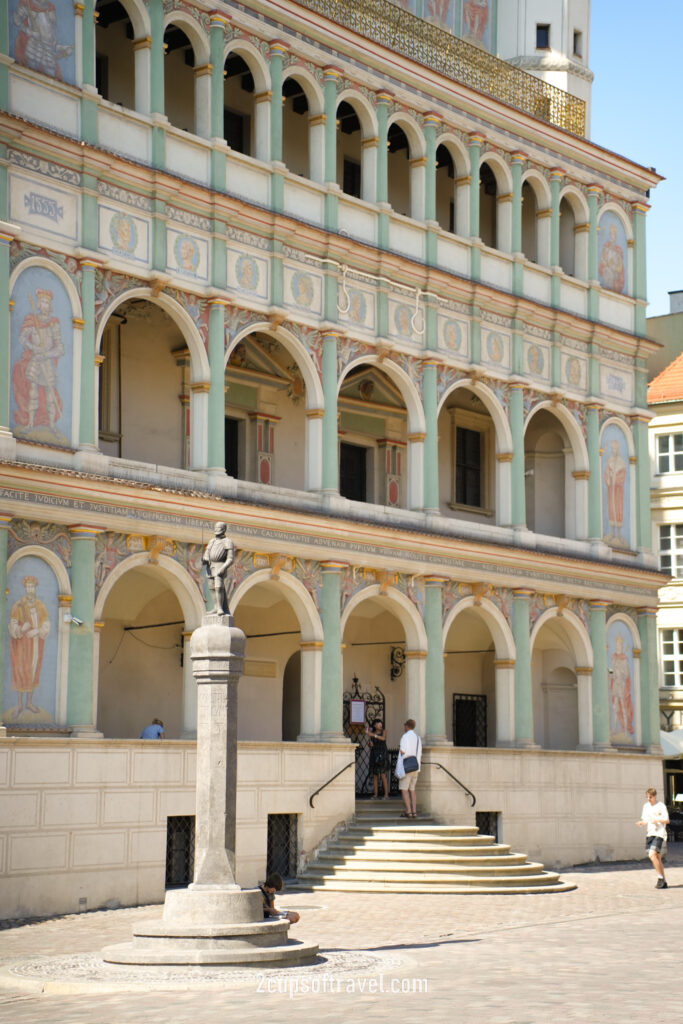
[671, 548]
[670, 453]
[179, 850]
[351, 178]
[468, 467]
[102, 75]
[236, 130]
[353, 471]
[578, 44]
[671, 642]
[234, 429]
[543, 37]
[281, 853]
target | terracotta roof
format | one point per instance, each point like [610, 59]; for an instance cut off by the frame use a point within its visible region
[667, 386]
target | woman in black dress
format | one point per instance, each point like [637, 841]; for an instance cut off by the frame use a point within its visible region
[378, 756]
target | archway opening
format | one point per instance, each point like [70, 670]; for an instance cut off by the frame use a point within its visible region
[114, 54]
[445, 189]
[265, 412]
[470, 681]
[548, 464]
[238, 105]
[349, 150]
[272, 673]
[467, 446]
[144, 394]
[529, 223]
[373, 437]
[179, 79]
[295, 128]
[488, 206]
[567, 238]
[554, 688]
[398, 170]
[141, 656]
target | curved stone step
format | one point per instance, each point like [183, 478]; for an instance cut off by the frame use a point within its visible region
[454, 849]
[528, 886]
[371, 858]
[434, 872]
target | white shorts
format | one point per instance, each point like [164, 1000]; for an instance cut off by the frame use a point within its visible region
[408, 781]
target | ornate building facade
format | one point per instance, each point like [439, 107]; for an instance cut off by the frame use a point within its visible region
[348, 281]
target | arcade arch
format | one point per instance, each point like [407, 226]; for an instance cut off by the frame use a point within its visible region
[561, 681]
[555, 473]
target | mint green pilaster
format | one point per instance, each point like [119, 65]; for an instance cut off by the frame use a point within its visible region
[643, 519]
[277, 54]
[156, 70]
[88, 427]
[330, 473]
[216, 130]
[517, 165]
[88, 104]
[600, 691]
[5, 240]
[517, 347]
[383, 101]
[556, 177]
[159, 234]
[524, 716]
[475, 144]
[216, 410]
[431, 442]
[594, 193]
[594, 480]
[431, 124]
[4, 537]
[331, 78]
[475, 336]
[435, 707]
[649, 679]
[639, 267]
[80, 710]
[556, 360]
[332, 697]
[518, 503]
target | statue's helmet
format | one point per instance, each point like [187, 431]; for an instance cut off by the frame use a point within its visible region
[219, 529]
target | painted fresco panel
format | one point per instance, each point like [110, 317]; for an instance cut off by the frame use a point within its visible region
[616, 384]
[404, 321]
[620, 667]
[477, 21]
[30, 671]
[123, 234]
[441, 13]
[537, 360]
[303, 290]
[41, 357]
[248, 274]
[574, 372]
[453, 336]
[495, 349]
[187, 254]
[34, 202]
[612, 253]
[616, 487]
[357, 306]
[42, 37]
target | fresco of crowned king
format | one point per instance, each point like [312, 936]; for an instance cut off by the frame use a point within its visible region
[30, 690]
[612, 250]
[616, 496]
[42, 37]
[41, 355]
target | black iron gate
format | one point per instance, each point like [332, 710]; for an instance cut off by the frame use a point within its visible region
[374, 706]
[469, 720]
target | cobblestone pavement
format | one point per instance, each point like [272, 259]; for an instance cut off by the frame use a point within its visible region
[593, 955]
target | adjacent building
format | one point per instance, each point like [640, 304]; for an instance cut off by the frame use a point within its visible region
[342, 277]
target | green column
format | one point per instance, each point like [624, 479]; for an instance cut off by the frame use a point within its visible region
[649, 679]
[524, 715]
[600, 693]
[330, 474]
[80, 711]
[475, 336]
[4, 536]
[639, 266]
[594, 193]
[277, 54]
[88, 104]
[216, 410]
[331, 78]
[517, 346]
[87, 434]
[431, 125]
[382, 109]
[435, 732]
[431, 442]
[518, 503]
[216, 130]
[643, 520]
[594, 480]
[156, 70]
[517, 165]
[4, 48]
[556, 360]
[556, 178]
[332, 693]
[5, 240]
[476, 141]
[159, 234]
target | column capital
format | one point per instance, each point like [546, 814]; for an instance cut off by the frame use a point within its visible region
[83, 532]
[640, 207]
[556, 174]
[435, 581]
[311, 645]
[503, 662]
[519, 158]
[334, 566]
[384, 97]
[431, 119]
[217, 19]
[476, 139]
[523, 592]
[647, 611]
[332, 73]
[5, 520]
[595, 190]
[278, 49]
[142, 43]
[598, 604]
[416, 655]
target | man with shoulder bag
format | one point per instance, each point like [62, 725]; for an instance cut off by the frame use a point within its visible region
[408, 768]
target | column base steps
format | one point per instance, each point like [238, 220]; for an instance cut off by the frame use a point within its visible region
[379, 851]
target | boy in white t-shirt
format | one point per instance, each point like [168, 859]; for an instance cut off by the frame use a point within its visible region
[656, 817]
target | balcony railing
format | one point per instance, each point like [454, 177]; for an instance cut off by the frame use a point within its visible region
[399, 30]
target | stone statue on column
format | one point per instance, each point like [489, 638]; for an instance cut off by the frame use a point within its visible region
[218, 556]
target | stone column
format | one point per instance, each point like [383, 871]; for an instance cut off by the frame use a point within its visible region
[431, 124]
[598, 632]
[435, 708]
[157, 98]
[216, 411]
[80, 709]
[649, 680]
[332, 696]
[277, 53]
[505, 702]
[517, 164]
[311, 689]
[218, 24]
[85, 75]
[476, 141]
[384, 99]
[415, 688]
[330, 466]
[524, 712]
[584, 689]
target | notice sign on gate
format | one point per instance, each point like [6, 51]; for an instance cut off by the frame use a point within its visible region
[357, 715]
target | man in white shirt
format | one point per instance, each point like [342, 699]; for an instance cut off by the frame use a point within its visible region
[410, 746]
[656, 817]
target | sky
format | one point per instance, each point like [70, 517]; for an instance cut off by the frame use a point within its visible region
[637, 60]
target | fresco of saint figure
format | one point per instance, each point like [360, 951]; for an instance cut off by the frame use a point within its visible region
[34, 375]
[29, 625]
[615, 477]
[36, 44]
[611, 266]
[620, 689]
[475, 17]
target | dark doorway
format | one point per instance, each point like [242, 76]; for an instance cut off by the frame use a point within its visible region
[353, 471]
[469, 720]
[232, 434]
[282, 845]
[179, 850]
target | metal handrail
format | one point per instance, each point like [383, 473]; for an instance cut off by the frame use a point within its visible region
[310, 799]
[437, 764]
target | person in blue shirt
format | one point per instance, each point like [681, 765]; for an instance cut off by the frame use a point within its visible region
[155, 731]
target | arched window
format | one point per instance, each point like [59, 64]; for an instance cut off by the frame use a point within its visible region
[349, 151]
[445, 189]
[238, 105]
[488, 206]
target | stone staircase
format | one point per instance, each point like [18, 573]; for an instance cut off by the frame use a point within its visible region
[379, 851]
